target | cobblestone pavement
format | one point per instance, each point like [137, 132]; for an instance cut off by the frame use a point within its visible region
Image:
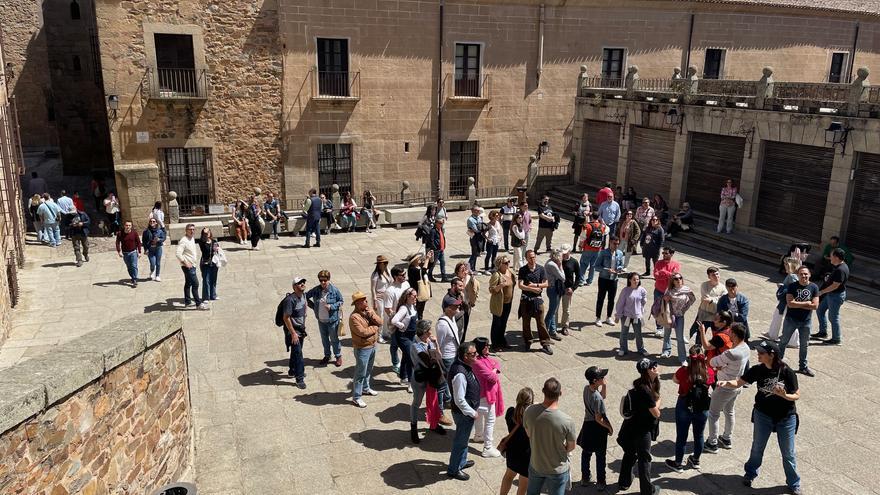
[257, 433]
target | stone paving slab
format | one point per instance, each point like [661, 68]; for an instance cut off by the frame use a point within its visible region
[257, 433]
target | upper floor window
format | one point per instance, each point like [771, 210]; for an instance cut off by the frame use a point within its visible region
[838, 64]
[612, 64]
[175, 64]
[467, 69]
[74, 10]
[714, 66]
[333, 76]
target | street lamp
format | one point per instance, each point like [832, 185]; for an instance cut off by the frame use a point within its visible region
[674, 119]
[543, 149]
[113, 103]
[837, 134]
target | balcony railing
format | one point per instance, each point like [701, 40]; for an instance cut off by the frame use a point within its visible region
[178, 84]
[554, 170]
[469, 87]
[336, 85]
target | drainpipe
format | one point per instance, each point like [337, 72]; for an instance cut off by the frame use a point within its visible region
[852, 57]
[440, 101]
[687, 60]
[540, 46]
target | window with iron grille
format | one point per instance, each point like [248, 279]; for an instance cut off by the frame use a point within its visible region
[463, 163]
[176, 64]
[333, 67]
[714, 66]
[612, 63]
[467, 69]
[334, 167]
[835, 74]
[187, 172]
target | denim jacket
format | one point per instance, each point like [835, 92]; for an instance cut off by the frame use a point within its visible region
[742, 304]
[149, 235]
[334, 301]
[604, 263]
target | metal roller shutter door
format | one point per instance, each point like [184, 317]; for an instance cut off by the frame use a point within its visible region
[712, 160]
[600, 151]
[651, 152]
[794, 189]
[864, 212]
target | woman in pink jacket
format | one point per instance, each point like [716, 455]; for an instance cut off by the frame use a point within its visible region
[487, 371]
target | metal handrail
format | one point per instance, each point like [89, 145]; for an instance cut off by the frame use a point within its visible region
[336, 84]
[465, 87]
[178, 84]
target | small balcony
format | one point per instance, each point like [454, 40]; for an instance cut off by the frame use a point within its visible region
[335, 87]
[468, 88]
[178, 84]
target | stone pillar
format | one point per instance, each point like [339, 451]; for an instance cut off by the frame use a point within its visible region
[137, 185]
[632, 80]
[858, 91]
[405, 192]
[765, 87]
[471, 191]
[838, 190]
[337, 201]
[173, 208]
[623, 153]
[582, 80]
[749, 182]
[679, 161]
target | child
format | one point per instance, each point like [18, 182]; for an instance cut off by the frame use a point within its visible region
[594, 434]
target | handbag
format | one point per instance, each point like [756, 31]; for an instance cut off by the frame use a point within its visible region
[424, 290]
[340, 331]
[503, 444]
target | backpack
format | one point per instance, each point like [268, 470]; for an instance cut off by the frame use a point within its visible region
[626, 408]
[423, 231]
[697, 398]
[596, 239]
[279, 313]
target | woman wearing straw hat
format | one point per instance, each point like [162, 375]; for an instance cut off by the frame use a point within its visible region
[379, 281]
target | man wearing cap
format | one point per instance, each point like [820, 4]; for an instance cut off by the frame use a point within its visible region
[448, 341]
[456, 293]
[392, 294]
[475, 232]
[532, 282]
[326, 300]
[364, 324]
[802, 299]
[294, 317]
[596, 429]
[552, 437]
[572, 273]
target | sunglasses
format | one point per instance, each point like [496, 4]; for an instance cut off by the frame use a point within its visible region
[677, 278]
[323, 280]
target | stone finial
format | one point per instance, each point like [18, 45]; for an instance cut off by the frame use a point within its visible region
[767, 71]
[631, 83]
[336, 198]
[472, 190]
[693, 79]
[404, 185]
[764, 87]
[173, 208]
[405, 192]
[676, 73]
[858, 90]
[584, 69]
[532, 172]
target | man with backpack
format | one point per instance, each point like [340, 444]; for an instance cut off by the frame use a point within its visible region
[594, 241]
[291, 316]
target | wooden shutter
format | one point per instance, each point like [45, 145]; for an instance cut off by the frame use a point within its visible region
[794, 189]
[864, 211]
[649, 169]
[600, 152]
[712, 159]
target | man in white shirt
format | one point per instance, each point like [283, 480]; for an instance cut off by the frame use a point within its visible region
[188, 256]
[729, 365]
[448, 341]
[465, 400]
[392, 294]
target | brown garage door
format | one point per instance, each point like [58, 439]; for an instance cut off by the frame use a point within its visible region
[649, 170]
[600, 151]
[712, 159]
[864, 212]
[794, 189]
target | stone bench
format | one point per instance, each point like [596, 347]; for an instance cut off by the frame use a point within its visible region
[175, 231]
[404, 216]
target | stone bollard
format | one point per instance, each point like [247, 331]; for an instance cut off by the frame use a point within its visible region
[471, 191]
[858, 91]
[765, 87]
[173, 208]
[405, 192]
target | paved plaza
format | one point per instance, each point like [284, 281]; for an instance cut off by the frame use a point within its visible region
[256, 433]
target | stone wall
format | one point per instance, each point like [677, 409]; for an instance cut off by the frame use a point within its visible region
[110, 413]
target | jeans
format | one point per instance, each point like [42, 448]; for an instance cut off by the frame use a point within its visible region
[209, 281]
[443, 393]
[191, 285]
[640, 452]
[588, 262]
[606, 287]
[553, 298]
[625, 247]
[274, 224]
[440, 258]
[544, 233]
[830, 303]
[330, 334]
[723, 399]
[680, 341]
[785, 432]
[554, 484]
[52, 233]
[392, 346]
[725, 218]
[404, 340]
[458, 456]
[684, 420]
[657, 295]
[155, 257]
[788, 328]
[296, 366]
[363, 367]
[80, 247]
[625, 323]
[131, 263]
[505, 228]
[313, 226]
[499, 326]
[475, 252]
[491, 252]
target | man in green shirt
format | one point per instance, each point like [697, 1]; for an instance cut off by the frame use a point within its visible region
[552, 436]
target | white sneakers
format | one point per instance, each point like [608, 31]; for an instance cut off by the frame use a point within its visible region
[158, 278]
[665, 354]
[491, 452]
[152, 275]
[360, 403]
[621, 353]
[204, 306]
[609, 321]
[598, 322]
[370, 391]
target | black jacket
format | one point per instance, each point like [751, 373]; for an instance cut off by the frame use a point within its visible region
[75, 228]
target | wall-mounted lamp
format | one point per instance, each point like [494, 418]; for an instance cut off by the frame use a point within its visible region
[543, 149]
[8, 73]
[620, 118]
[675, 119]
[837, 134]
[113, 103]
[749, 134]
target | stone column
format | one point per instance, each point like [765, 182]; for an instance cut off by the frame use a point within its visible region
[838, 191]
[623, 152]
[679, 160]
[137, 185]
[749, 183]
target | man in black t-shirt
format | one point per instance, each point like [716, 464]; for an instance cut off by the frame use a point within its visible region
[832, 295]
[802, 298]
[532, 282]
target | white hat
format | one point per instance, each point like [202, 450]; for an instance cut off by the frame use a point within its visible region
[565, 248]
[297, 279]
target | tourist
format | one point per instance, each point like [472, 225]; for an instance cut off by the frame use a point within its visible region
[98, 188]
[629, 232]
[209, 265]
[663, 270]
[488, 371]
[610, 265]
[36, 218]
[79, 235]
[465, 401]
[156, 213]
[661, 209]
[448, 341]
[427, 380]
[327, 214]
[517, 451]
[736, 303]
[114, 214]
[640, 428]
[417, 277]
[823, 265]
[273, 213]
[469, 290]
[629, 311]
[152, 240]
[501, 286]
[475, 229]
[50, 214]
[653, 237]
[507, 213]
[791, 268]
[493, 238]
[727, 207]
[526, 224]
[128, 247]
[571, 269]
[78, 202]
[603, 194]
[440, 212]
[380, 279]
[547, 223]
[369, 210]
[729, 365]
[438, 247]
[239, 218]
[681, 221]
[364, 324]
[596, 429]
[65, 204]
[518, 241]
[630, 199]
[680, 298]
[552, 436]
[294, 317]
[609, 214]
[582, 212]
[711, 292]
[187, 254]
[832, 295]
[719, 331]
[326, 301]
[774, 410]
[555, 291]
[404, 322]
[255, 222]
[532, 282]
[592, 243]
[644, 213]
[314, 210]
[392, 295]
[348, 212]
[691, 407]
[802, 298]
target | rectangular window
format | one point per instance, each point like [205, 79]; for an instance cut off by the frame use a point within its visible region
[612, 66]
[464, 159]
[467, 69]
[333, 67]
[838, 63]
[175, 64]
[334, 167]
[187, 172]
[714, 64]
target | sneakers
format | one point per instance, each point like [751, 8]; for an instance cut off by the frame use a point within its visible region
[807, 371]
[598, 322]
[204, 306]
[819, 336]
[382, 340]
[491, 452]
[832, 342]
[396, 369]
[477, 439]
[658, 333]
[609, 321]
[302, 386]
[459, 475]
[408, 388]
[694, 462]
[547, 350]
[445, 421]
[324, 361]
[644, 352]
[158, 278]
[360, 403]
[152, 275]
[371, 392]
[665, 354]
[671, 464]
[796, 490]
[711, 448]
[725, 443]
[621, 353]
[555, 336]
[564, 331]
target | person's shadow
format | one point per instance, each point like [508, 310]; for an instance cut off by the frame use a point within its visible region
[166, 305]
[417, 473]
[122, 282]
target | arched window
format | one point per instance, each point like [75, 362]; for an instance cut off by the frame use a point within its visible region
[74, 10]
[77, 65]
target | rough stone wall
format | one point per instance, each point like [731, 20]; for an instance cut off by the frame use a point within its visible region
[127, 432]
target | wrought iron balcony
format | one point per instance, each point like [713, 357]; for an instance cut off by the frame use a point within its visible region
[178, 84]
[464, 87]
[336, 85]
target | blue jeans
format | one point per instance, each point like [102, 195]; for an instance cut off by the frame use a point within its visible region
[804, 328]
[588, 263]
[52, 233]
[475, 252]
[393, 347]
[330, 334]
[491, 253]
[296, 366]
[830, 303]
[681, 343]
[363, 367]
[555, 484]
[190, 285]
[313, 227]
[458, 455]
[553, 299]
[785, 432]
[155, 257]
[209, 282]
[404, 340]
[684, 419]
[439, 258]
[624, 334]
[657, 295]
[131, 263]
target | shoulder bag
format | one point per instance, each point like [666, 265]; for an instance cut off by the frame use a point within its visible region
[503, 444]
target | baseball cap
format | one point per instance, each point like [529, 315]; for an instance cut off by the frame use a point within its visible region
[297, 279]
[450, 300]
[594, 373]
[767, 347]
[645, 364]
[565, 248]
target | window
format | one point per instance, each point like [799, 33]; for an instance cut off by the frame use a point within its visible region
[77, 65]
[838, 62]
[187, 174]
[175, 64]
[714, 64]
[612, 66]
[467, 69]
[333, 67]
[334, 167]
[463, 163]
[74, 10]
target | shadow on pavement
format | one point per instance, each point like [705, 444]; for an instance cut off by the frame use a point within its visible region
[380, 440]
[124, 282]
[59, 264]
[324, 398]
[726, 483]
[265, 376]
[394, 414]
[402, 476]
[167, 305]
